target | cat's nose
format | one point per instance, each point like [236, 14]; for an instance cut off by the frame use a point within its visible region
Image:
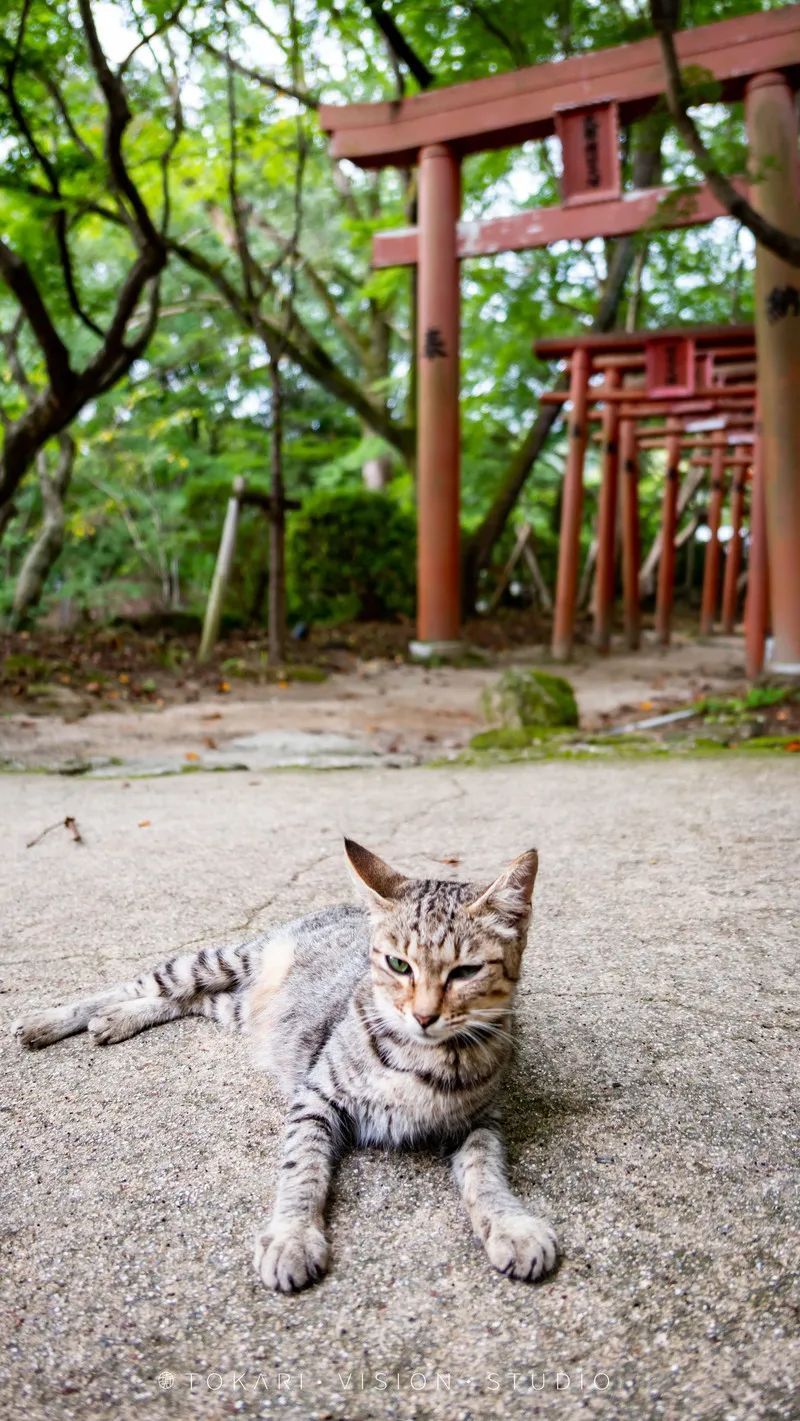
[426, 1020]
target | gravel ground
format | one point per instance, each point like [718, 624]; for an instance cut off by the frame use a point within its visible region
[652, 1113]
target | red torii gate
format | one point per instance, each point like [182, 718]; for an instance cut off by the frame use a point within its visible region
[584, 100]
[679, 374]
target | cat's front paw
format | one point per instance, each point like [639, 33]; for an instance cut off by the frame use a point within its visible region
[114, 1023]
[521, 1246]
[290, 1255]
[42, 1028]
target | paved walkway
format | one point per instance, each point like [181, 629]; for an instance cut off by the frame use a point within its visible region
[652, 1115]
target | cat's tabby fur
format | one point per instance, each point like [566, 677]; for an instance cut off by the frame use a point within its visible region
[385, 1024]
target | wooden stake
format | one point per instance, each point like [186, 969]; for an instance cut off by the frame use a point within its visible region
[222, 572]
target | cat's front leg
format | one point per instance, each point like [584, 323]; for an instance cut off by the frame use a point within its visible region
[292, 1251]
[516, 1242]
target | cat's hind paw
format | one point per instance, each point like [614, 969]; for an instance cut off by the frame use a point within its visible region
[521, 1246]
[290, 1256]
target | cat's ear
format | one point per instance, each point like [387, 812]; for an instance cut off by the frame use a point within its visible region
[375, 880]
[509, 897]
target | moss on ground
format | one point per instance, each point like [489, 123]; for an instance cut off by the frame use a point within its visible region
[527, 698]
[509, 749]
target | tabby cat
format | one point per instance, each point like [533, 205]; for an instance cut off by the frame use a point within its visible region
[385, 1024]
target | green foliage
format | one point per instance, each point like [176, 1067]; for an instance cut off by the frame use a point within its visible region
[351, 554]
[724, 709]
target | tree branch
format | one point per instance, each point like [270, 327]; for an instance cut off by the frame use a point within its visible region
[266, 81]
[168, 20]
[51, 175]
[68, 391]
[663, 14]
[399, 44]
[119, 116]
[17, 276]
[513, 44]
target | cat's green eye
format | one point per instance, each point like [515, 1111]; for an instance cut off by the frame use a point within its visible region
[398, 965]
[461, 974]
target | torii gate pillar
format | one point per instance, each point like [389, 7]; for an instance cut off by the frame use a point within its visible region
[772, 134]
[438, 543]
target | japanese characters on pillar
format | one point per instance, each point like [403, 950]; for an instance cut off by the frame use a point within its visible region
[589, 137]
[670, 366]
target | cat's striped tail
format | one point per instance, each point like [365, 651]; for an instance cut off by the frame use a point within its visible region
[211, 982]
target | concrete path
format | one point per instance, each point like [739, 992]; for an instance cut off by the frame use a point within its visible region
[652, 1114]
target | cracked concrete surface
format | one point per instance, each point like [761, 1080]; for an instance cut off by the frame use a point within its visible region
[652, 1113]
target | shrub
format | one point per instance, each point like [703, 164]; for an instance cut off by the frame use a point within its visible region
[350, 553]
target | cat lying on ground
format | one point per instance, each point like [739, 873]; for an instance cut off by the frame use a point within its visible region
[387, 1024]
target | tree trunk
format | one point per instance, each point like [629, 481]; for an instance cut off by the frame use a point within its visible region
[376, 472]
[277, 521]
[49, 541]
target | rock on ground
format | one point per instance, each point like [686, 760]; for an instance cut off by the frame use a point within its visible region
[652, 1114]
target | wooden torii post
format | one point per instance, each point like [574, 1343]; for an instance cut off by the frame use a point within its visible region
[585, 100]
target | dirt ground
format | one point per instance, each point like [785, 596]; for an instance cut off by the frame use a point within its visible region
[372, 708]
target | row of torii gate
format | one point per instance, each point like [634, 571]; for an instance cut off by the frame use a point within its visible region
[747, 380]
[690, 394]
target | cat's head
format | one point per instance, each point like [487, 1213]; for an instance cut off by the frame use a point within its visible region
[445, 956]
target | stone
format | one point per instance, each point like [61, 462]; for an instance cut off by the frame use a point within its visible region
[524, 697]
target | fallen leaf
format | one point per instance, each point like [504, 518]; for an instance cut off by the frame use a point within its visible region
[210, 742]
[451, 858]
[793, 746]
[283, 685]
[223, 687]
[645, 705]
[191, 755]
[212, 715]
[123, 678]
[144, 824]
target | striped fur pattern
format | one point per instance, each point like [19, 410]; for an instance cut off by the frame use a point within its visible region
[388, 1023]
